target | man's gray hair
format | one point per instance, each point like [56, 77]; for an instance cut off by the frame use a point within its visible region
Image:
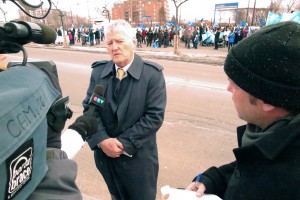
[120, 25]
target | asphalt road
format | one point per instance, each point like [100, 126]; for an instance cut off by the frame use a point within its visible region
[199, 126]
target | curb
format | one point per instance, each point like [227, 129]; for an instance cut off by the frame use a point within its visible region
[212, 59]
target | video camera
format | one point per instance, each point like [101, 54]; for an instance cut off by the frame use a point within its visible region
[15, 34]
[32, 115]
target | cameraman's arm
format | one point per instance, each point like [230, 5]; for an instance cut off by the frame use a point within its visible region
[59, 182]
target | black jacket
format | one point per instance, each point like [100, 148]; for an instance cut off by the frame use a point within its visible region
[268, 169]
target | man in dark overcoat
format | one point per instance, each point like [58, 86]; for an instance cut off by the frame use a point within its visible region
[125, 147]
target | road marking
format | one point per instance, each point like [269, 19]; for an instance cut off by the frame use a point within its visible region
[170, 80]
[193, 83]
[64, 64]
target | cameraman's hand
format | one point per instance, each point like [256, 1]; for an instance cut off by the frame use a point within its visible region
[85, 126]
[57, 116]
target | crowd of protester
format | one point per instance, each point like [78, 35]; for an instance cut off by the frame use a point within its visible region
[216, 36]
[155, 38]
[191, 36]
[85, 36]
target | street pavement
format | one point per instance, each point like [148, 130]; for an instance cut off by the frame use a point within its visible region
[203, 54]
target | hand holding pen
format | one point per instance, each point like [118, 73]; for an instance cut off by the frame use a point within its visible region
[197, 186]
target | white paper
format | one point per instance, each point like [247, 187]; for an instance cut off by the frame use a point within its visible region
[179, 194]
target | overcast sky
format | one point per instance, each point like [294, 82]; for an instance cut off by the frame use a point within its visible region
[189, 10]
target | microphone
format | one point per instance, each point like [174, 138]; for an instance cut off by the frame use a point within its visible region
[84, 125]
[25, 32]
[96, 100]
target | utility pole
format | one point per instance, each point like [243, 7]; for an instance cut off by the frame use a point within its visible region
[253, 15]
[88, 10]
[247, 12]
[71, 14]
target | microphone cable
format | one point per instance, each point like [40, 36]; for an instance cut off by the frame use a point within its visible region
[10, 44]
[32, 7]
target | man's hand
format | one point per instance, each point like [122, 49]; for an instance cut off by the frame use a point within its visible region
[198, 187]
[165, 197]
[85, 126]
[112, 147]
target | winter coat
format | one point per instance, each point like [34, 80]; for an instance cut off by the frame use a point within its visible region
[267, 169]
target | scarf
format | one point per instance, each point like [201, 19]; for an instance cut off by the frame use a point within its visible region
[253, 133]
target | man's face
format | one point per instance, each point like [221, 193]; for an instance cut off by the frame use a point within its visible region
[120, 47]
[247, 107]
[3, 63]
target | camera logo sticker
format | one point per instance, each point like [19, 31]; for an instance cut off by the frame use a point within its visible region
[19, 168]
[97, 100]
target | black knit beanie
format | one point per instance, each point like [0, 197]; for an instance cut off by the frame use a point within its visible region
[267, 64]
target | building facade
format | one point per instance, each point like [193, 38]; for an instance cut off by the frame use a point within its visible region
[146, 12]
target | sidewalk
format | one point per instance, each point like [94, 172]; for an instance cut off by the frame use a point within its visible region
[205, 55]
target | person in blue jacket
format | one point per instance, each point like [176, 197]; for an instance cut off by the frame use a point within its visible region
[231, 38]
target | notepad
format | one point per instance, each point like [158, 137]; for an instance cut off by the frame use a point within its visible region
[179, 194]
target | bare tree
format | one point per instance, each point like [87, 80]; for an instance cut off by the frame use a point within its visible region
[104, 11]
[162, 15]
[177, 4]
[4, 14]
[61, 14]
[173, 19]
[276, 6]
[291, 5]
[297, 7]
[260, 13]
[242, 14]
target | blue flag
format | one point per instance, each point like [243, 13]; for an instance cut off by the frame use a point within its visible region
[295, 16]
[201, 20]
[262, 22]
[273, 18]
[140, 25]
[243, 23]
[216, 25]
[191, 23]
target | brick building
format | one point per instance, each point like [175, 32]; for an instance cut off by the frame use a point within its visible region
[147, 12]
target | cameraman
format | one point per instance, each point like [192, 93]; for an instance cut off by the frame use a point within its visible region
[31, 125]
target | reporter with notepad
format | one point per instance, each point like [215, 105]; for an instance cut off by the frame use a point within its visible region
[264, 79]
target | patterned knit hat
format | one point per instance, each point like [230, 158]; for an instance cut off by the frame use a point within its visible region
[267, 64]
